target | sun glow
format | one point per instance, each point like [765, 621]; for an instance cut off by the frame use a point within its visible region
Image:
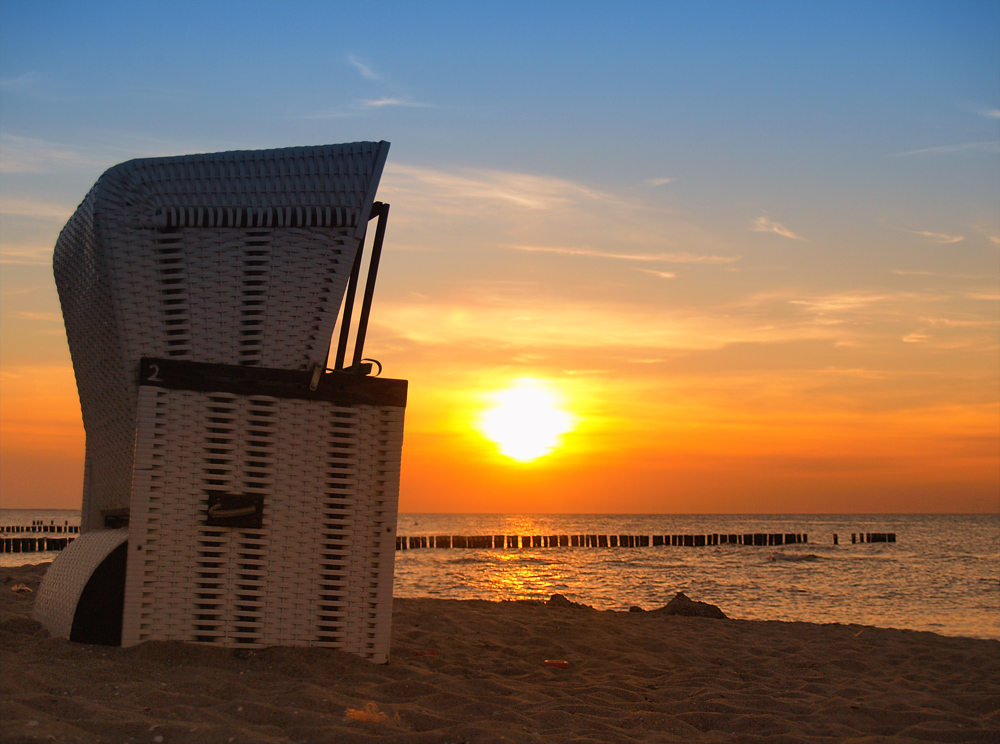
[525, 421]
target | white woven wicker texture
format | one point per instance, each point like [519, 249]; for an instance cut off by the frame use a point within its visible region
[236, 258]
[318, 571]
[66, 578]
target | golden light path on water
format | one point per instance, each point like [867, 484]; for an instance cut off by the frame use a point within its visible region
[513, 577]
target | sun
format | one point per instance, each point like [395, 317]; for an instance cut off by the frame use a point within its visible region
[525, 421]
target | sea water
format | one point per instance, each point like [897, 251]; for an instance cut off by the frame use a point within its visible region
[942, 574]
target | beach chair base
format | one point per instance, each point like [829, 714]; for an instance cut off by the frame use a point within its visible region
[82, 595]
[263, 514]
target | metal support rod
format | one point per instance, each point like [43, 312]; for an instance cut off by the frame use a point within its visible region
[345, 323]
[366, 305]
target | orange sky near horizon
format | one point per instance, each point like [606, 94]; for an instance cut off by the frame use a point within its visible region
[753, 247]
[714, 426]
[632, 451]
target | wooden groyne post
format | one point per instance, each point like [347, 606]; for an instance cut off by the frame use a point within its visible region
[873, 537]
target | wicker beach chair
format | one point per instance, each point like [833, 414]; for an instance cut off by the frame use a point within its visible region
[258, 489]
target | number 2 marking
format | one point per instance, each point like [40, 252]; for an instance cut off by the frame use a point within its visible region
[154, 375]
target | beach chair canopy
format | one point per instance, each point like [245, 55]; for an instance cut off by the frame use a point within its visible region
[235, 258]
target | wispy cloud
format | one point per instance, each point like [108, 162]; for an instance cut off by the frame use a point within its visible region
[21, 291]
[379, 102]
[366, 72]
[490, 321]
[870, 305]
[869, 319]
[986, 146]
[45, 317]
[471, 185]
[944, 274]
[763, 224]
[34, 209]
[984, 111]
[661, 274]
[939, 238]
[960, 322]
[28, 155]
[19, 82]
[658, 181]
[490, 316]
[686, 258]
[363, 108]
[25, 256]
[485, 210]
[846, 301]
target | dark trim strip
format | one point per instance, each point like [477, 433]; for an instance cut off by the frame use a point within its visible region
[339, 388]
[179, 216]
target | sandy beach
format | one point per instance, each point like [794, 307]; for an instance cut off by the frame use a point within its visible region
[472, 671]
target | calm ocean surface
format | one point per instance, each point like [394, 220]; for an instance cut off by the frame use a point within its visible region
[942, 574]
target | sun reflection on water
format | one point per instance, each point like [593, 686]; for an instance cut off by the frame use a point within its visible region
[523, 576]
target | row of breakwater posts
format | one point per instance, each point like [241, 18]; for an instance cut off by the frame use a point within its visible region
[520, 542]
[37, 537]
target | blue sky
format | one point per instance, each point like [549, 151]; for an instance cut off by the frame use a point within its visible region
[746, 107]
[660, 190]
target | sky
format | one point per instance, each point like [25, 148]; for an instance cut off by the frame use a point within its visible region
[750, 251]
